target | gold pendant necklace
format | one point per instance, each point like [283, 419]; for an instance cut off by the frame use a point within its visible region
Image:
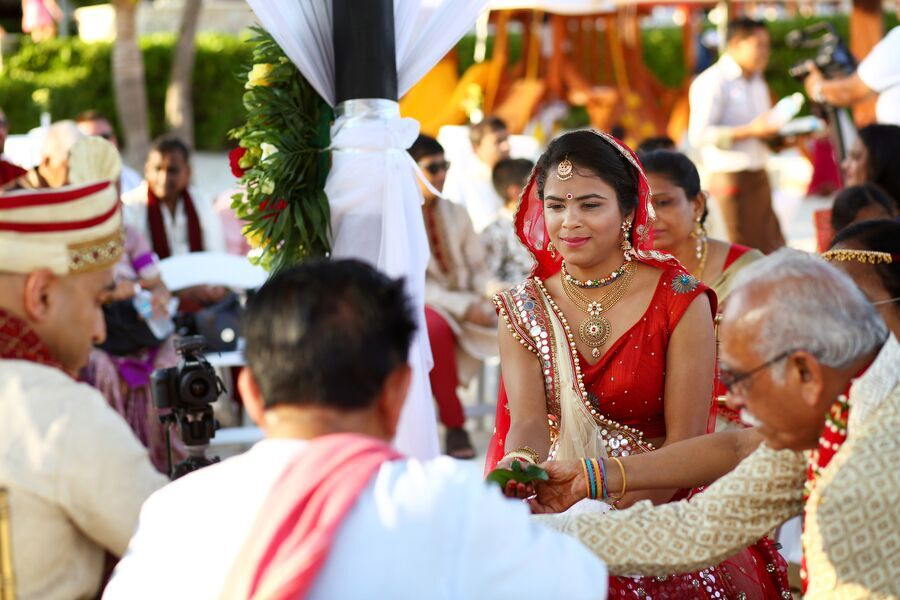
[596, 329]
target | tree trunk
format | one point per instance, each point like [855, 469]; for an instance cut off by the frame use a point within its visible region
[866, 29]
[179, 104]
[129, 85]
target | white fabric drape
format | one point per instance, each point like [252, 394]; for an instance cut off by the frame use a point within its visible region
[372, 189]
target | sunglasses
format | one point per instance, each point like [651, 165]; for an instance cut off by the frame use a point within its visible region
[437, 166]
[732, 380]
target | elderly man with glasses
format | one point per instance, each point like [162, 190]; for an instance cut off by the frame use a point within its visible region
[807, 359]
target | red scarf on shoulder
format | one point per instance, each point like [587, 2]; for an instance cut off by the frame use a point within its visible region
[301, 516]
[19, 342]
[158, 236]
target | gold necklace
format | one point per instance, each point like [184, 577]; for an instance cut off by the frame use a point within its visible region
[595, 330]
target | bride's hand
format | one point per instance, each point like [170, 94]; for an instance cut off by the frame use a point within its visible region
[565, 487]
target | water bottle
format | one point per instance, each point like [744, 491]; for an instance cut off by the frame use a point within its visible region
[161, 327]
[785, 110]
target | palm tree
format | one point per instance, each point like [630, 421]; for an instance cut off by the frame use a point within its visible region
[179, 104]
[128, 83]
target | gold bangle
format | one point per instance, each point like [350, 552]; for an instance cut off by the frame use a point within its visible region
[587, 480]
[525, 452]
[622, 469]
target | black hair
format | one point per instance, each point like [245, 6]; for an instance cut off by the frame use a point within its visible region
[743, 27]
[167, 144]
[677, 168]
[882, 235]
[882, 144]
[660, 142]
[587, 150]
[487, 125]
[853, 199]
[425, 146]
[327, 333]
[511, 171]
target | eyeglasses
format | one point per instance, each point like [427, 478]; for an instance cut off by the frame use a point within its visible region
[731, 380]
[437, 166]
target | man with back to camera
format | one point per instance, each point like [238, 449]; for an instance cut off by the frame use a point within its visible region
[326, 380]
[729, 124]
[75, 473]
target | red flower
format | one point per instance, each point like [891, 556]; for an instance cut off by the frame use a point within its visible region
[272, 208]
[234, 158]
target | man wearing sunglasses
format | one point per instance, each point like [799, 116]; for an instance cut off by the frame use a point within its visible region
[92, 122]
[807, 359]
[462, 325]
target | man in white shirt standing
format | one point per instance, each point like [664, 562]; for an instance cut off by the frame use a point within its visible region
[92, 122]
[323, 507]
[878, 73]
[729, 123]
[470, 183]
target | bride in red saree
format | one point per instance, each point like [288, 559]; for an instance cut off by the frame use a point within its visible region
[608, 349]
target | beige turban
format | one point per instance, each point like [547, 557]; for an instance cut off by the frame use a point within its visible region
[93, 158]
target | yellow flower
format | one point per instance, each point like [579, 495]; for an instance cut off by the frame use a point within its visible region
[259, 75]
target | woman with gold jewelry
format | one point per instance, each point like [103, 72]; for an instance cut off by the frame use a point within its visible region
[608, 350]
[869, 252]
[680, 230]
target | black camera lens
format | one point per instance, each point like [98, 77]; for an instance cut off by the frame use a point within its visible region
[199, 388]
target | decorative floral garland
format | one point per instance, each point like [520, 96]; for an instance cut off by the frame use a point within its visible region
[282, 160]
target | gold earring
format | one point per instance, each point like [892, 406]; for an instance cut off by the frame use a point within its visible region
[699, 234]
[551, 249]
[627, 248]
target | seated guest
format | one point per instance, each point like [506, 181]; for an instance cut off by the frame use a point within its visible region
[175, 220]
[681, 212]
[869, 252]
[8, 170]
[460, 317]
[873, 159]
[823, 385]
[53, 169]
[120, 368]
[324, 495]
[75, 473]
[92, 122]
[507, 258]
[470, 184]
[661, 142]
[861, 203]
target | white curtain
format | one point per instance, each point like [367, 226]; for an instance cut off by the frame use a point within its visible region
[372, 189]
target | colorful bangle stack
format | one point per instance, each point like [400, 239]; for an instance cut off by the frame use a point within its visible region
[595, 478]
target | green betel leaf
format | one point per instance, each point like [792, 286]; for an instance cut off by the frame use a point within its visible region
[516, 473]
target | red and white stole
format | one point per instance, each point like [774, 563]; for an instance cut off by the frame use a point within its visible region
[299, 520]
[19, 342]
[158, 236]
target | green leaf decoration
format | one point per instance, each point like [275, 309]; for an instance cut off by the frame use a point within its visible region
[516, 473]
[286, 136]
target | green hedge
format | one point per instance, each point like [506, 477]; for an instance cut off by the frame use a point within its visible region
[77, 77]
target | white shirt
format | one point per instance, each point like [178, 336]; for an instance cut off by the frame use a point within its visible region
[419, 530]
[129, 179]
[176, 227]
[471, 185]
[880, 71]
[77, 477]
[722, 98]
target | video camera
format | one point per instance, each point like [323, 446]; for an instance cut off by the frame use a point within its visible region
[184, 394]
[833, 57]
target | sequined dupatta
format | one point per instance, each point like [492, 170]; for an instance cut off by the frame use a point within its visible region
[577, 428]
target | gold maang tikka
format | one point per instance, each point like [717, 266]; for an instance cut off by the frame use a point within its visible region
[564, 169]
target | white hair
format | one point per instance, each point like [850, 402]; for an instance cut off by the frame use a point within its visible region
[60, 138]
[811, 306]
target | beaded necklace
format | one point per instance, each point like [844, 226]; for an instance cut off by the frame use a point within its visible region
[594, 283]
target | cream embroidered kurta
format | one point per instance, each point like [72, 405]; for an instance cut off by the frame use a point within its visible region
[852, 534]
[76, 476]
[467, 280]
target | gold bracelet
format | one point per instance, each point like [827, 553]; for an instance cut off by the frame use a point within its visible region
[622, 469]
[525, 452]
[587, 480]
